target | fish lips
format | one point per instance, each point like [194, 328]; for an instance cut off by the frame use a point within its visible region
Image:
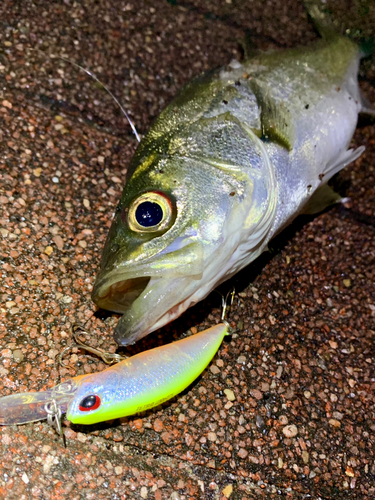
[163, 300]
[149, 294]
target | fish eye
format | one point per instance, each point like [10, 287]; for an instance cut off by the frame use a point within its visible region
[90, 403]
[150, 212]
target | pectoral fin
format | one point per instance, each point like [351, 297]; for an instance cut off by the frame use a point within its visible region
[323, 197]
[341, 161]
[366, 107]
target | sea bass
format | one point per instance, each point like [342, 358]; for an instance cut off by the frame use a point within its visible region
[233, 159]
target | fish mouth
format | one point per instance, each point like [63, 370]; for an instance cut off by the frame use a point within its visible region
[149, 294]
[120, 295]
[147, 303]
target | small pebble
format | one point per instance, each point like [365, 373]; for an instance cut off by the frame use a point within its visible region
[290, 431]
[334, 422]
[211, 436]
[59, 242]
[25, 478]
[305, 456]
[158, 425]
[6, 104]
[18, 355]
[230, 394]
[227, 490]
[283, 419]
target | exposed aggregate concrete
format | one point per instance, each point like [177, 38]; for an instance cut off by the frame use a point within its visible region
[287, 407]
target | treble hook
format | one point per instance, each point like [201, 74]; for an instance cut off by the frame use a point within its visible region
[54, 414]
[108, 357]
[226, 303]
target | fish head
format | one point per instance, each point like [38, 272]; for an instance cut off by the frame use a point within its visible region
[179, 221]
[164, 231]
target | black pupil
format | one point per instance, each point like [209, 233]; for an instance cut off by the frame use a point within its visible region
[149, 214]
[88, 402]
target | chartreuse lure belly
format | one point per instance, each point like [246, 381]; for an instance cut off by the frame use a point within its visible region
[134, 385]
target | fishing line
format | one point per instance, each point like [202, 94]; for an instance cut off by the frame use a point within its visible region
[90, 73]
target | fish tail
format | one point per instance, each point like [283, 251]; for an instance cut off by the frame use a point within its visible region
[321, 18]
[329, 26]
[367, 47]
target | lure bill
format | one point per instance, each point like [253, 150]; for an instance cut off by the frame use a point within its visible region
[235, 157]
[136, 384]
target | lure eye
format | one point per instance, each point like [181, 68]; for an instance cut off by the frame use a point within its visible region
[150, 212]
[90, 403]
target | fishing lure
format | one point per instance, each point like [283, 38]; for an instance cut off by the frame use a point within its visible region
[134, 385]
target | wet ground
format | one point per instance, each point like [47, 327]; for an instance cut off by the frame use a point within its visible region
[286, 409]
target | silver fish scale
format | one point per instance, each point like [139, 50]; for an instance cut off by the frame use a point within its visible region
[221, 140]
[244, 107]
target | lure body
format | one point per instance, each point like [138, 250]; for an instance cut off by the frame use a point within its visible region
[136, 384]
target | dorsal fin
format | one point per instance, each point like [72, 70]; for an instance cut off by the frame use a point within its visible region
[276, 121]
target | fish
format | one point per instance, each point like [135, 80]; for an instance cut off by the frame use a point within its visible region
[228, 164]
[134, 385]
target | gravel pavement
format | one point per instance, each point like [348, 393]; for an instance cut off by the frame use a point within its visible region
[287, 407]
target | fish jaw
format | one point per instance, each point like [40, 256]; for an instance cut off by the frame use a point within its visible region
[158, 301]
[117, 287]
[162, 301]
[153, 293]
[153, 289]
[166, 296]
